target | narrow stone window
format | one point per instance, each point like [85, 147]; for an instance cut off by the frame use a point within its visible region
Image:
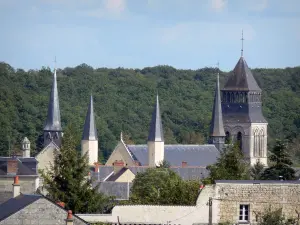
[227, 137]
[244, 213]
[239, 139]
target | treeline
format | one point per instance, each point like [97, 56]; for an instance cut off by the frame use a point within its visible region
[124, 98]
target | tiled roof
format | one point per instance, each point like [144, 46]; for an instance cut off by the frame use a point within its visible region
[194, 155]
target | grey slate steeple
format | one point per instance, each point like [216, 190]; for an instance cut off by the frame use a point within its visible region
[156, 130]
[217, 133]
[90, 130]
[52, 129]
[242, 78]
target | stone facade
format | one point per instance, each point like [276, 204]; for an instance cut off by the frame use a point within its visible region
[29, 184]
[39, 212]
[259, 196]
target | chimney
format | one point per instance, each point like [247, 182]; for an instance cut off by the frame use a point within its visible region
[69, 220]
[97, 165]
[16, 187]
[12, 166]
[118, 165]
[62, 204]
[183, 164]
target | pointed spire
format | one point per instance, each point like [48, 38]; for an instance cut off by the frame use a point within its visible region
[156, 130]
[53, 118]
[217, 127]
[90, 130]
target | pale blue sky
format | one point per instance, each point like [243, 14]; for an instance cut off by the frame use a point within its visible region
[139, 33]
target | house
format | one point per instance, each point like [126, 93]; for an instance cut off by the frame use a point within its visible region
[233, 201]
[34, 209]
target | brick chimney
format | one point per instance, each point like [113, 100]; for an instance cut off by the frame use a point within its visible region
[69, 220]
[62, 204]
[118, 165]
[12, 166]
[183, 164]
[16, 187]
[97, 165]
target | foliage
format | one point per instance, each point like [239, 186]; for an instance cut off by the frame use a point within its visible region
[256, 171]
[164, 164]
[275, 217]
[281, 164]
[124, 98]
[162, 186]
[229, 166]
[67, 179]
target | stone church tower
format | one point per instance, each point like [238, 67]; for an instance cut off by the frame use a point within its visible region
[156, 144]
[242, 113]
[52, 129]
[89, 142]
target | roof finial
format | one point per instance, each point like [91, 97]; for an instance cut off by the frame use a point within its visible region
[242, 50]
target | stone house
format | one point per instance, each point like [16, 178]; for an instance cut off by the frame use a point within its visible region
[34, 209]
[226, 201]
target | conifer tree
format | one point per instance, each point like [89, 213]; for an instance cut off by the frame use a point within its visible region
[256, 171]
[67, 179]
[229, 166]
[282, 164]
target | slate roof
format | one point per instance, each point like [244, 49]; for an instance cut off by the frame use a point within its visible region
[14, 205]
[90, 130]
[216, 126]
[5, 195]
[53, 122]
[117, 189]
[114, 177]
[242, 78]
[194, 155]
[26, 166]
[156, 129]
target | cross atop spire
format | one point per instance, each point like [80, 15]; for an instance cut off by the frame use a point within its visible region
[242, 39]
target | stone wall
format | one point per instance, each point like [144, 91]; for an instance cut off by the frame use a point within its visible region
[259, 195]
[28, 184]
[41, 211]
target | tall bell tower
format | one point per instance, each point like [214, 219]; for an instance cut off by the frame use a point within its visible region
[242, 113]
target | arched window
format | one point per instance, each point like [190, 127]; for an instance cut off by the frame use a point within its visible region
[49, 136]
[261, 143]
[256, 143]
[227, 137]
[239, 139]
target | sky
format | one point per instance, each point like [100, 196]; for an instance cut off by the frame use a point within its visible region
[185, 34]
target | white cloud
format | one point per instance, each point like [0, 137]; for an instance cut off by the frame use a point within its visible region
[218, 5]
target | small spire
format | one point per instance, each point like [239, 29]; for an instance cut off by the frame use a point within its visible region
[53, 122]
[217, 127]
[90, 130]
[156, 129]
[55, 63]
[242, 39]
[121, 136]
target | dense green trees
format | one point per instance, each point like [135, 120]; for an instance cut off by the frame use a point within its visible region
[124, 99]
[162, 186]
[67, 180]
[281, 164]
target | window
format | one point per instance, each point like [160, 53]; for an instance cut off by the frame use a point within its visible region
[244, 213]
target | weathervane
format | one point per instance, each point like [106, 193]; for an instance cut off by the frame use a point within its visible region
[242, 50]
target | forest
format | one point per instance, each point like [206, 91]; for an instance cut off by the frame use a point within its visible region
[124, 99]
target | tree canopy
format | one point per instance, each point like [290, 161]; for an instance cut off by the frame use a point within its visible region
[124, 98]
[162, 186]
[67, 179]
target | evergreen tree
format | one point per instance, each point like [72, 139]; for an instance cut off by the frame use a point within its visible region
[256, 171]
[281, 168]
[67, 179]
[229, 166]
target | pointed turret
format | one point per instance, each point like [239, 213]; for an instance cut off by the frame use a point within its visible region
[89, 142]
[217, 133]
[52, 129]
[156, 129]
[90, 130]
[26, 148]
[156, 138]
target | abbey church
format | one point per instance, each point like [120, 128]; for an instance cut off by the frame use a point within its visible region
[236, 116]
